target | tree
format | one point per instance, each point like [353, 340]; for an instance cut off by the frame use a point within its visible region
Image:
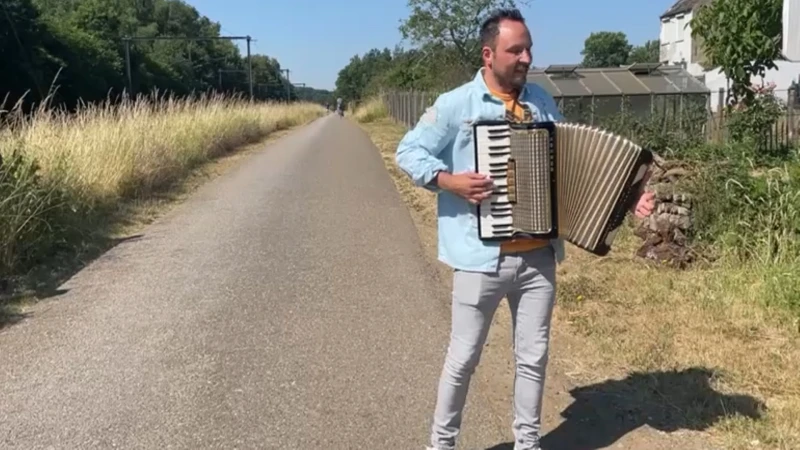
[71, 52]
[606, 49]
[452, 23]
[742, 38]
[357, 79]
[650, 52]
[23, 59]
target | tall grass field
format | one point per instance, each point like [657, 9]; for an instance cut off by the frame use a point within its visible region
[62, 174]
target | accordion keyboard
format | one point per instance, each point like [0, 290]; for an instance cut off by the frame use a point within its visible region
[494, 150]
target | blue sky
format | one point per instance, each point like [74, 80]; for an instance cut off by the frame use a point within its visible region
[314, 39]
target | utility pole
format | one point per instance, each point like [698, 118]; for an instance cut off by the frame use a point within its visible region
[250, 67]
[128, 66]
[288, 85]
[129, 39]
[299, 85]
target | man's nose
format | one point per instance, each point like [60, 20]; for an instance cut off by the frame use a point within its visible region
[526, 57]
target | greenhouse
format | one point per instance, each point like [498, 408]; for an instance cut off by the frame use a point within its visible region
[589, 95]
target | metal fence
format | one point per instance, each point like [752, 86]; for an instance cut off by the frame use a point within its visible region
[682, 113]
[406, 107]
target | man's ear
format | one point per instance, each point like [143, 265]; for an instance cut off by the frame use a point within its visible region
[486, 55]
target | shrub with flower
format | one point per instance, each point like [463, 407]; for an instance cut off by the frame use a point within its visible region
[751, 119]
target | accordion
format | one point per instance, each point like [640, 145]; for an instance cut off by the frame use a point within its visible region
[557, 180]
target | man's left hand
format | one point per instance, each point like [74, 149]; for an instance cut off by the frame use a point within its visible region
[644, 207]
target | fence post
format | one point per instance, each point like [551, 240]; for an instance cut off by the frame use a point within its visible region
[708, 129]
[408, 108]
[416, 107]
[721, 116]
[404, 118]
[410, 115]
[420, 105]
[790, 116]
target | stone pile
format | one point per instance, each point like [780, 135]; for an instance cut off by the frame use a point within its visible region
[665, 231]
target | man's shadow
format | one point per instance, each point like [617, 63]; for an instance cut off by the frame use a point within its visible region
[666, 401]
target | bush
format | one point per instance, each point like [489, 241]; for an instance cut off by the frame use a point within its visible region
[371, 110]
[32, 213]
[665, 132]
[750, 122]
[747, 211]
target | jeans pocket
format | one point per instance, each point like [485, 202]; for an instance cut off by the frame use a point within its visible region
[475, 288]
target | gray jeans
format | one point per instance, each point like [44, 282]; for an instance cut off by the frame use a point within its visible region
[527, 280]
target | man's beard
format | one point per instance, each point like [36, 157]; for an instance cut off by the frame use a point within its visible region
[512, 79]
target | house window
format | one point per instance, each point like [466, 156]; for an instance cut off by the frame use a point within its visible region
[680, 24]
[667, 32]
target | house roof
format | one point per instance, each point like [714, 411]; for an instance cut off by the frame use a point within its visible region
[563, 81]
[684, 6]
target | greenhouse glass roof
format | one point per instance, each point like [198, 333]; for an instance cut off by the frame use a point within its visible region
[637, 79]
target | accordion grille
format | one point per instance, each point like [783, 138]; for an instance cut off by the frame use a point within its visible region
[530, 149]
[593, 168]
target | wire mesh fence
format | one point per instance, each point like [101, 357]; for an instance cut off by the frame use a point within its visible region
[685, 117]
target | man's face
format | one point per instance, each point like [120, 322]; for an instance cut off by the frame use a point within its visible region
[511, 57]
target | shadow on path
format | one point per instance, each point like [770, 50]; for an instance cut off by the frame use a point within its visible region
[43, 283]
[603, 413]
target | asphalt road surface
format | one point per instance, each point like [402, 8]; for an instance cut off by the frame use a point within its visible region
[286, 305]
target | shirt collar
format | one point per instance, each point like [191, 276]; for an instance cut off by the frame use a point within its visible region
[484, 90]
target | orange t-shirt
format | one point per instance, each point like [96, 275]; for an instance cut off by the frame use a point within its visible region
[516, 112]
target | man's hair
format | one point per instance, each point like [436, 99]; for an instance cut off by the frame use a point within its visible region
[490, 27]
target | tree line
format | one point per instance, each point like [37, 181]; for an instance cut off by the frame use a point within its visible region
[446, 50]
[740, 37]
[72, 51]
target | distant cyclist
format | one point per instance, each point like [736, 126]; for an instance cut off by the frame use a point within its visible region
[339, 108]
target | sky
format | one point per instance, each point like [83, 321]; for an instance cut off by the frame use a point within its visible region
[315, 39]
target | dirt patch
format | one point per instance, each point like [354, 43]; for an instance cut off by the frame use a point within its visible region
[642, 356]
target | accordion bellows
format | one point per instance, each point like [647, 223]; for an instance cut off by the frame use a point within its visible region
[557, 179]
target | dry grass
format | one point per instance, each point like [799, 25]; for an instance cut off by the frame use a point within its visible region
[630, 317]
[68, 181]
[620, 317]
[371, 110]
[104, 153]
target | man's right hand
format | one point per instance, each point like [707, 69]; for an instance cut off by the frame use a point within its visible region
[474, 187]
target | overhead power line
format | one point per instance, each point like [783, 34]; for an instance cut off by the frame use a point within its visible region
[129, 39]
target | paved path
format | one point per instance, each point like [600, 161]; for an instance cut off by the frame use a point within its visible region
[286, 305]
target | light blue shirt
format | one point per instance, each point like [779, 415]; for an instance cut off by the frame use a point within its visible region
[442, 140]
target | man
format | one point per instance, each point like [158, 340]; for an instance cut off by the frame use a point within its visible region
[339, 105]
[438, 155]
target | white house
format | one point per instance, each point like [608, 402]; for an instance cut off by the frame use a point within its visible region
[678, 47]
